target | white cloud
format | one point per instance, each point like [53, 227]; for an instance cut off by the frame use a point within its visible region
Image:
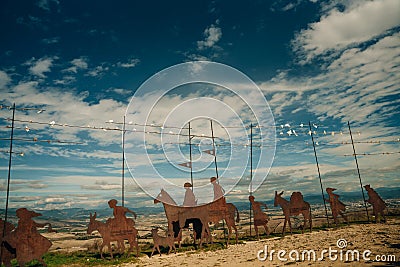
[122, 91]
[4, 79]
[360, 85]
[212, 35]
[101, 185]
[130, 64]
[77, 64]
[41, 66]
[98, 71]
[67, 107]
[356, 24]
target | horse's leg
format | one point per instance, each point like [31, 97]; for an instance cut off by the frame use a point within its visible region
[290, 224]
[284, 226]
[195, 237]
[131, 244]
[137, 246]
[101, 250]
[266, 229]
[210, 240]
[256, 228]
[236, 232]
[205, 230]
[229, 233]
[383, 216]
[110, 249]
[122, 246]
[180, 238]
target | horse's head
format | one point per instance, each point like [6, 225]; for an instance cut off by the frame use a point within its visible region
[92, 223]
[164, 197]
[159, 197]
[277, 197]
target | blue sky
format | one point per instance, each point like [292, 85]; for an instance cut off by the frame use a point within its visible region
[328, 62]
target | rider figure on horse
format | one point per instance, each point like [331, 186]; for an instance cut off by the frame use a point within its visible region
[120, 222]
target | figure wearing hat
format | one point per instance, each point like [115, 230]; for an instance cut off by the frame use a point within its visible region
[337, 207]
[218, 190]
[26, 239]
[378, 205]
[260, 217]
[190, 199]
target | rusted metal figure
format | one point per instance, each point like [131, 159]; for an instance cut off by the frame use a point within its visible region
[337, 207]
[260, 217]
[378, 205]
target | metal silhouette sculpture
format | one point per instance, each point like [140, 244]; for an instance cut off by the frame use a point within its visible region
[7, 252]
[112, 231]
[189, 199]
[25, 239]
[260, 218]
[167, 241]
[226, 212]
[337, 207]
[211, 212]
[229, 216]
[120, 221]
[378, 205]
[294, 207]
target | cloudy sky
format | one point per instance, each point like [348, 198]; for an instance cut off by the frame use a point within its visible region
[328, 62]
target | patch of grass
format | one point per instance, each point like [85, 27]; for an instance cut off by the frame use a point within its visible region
[56, 259]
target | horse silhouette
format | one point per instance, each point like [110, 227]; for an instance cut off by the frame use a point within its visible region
[211, 212]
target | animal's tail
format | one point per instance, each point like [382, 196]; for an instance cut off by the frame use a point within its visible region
[237, 215]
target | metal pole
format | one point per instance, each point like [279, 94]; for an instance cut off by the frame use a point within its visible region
[215, 154]
[123, 165]
[216, 169]
[319, 174]
[358, 170]
[8, 178]
[251, 169]
[190, 157]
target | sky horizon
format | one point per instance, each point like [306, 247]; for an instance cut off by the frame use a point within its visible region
[278, 64]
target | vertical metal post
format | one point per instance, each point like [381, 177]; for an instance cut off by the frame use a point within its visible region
[123, 164]
[216, 168]
[358, 170]
[190, 157]
[251, 169]
[215, 154]
[8, 178]
[319, 174]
